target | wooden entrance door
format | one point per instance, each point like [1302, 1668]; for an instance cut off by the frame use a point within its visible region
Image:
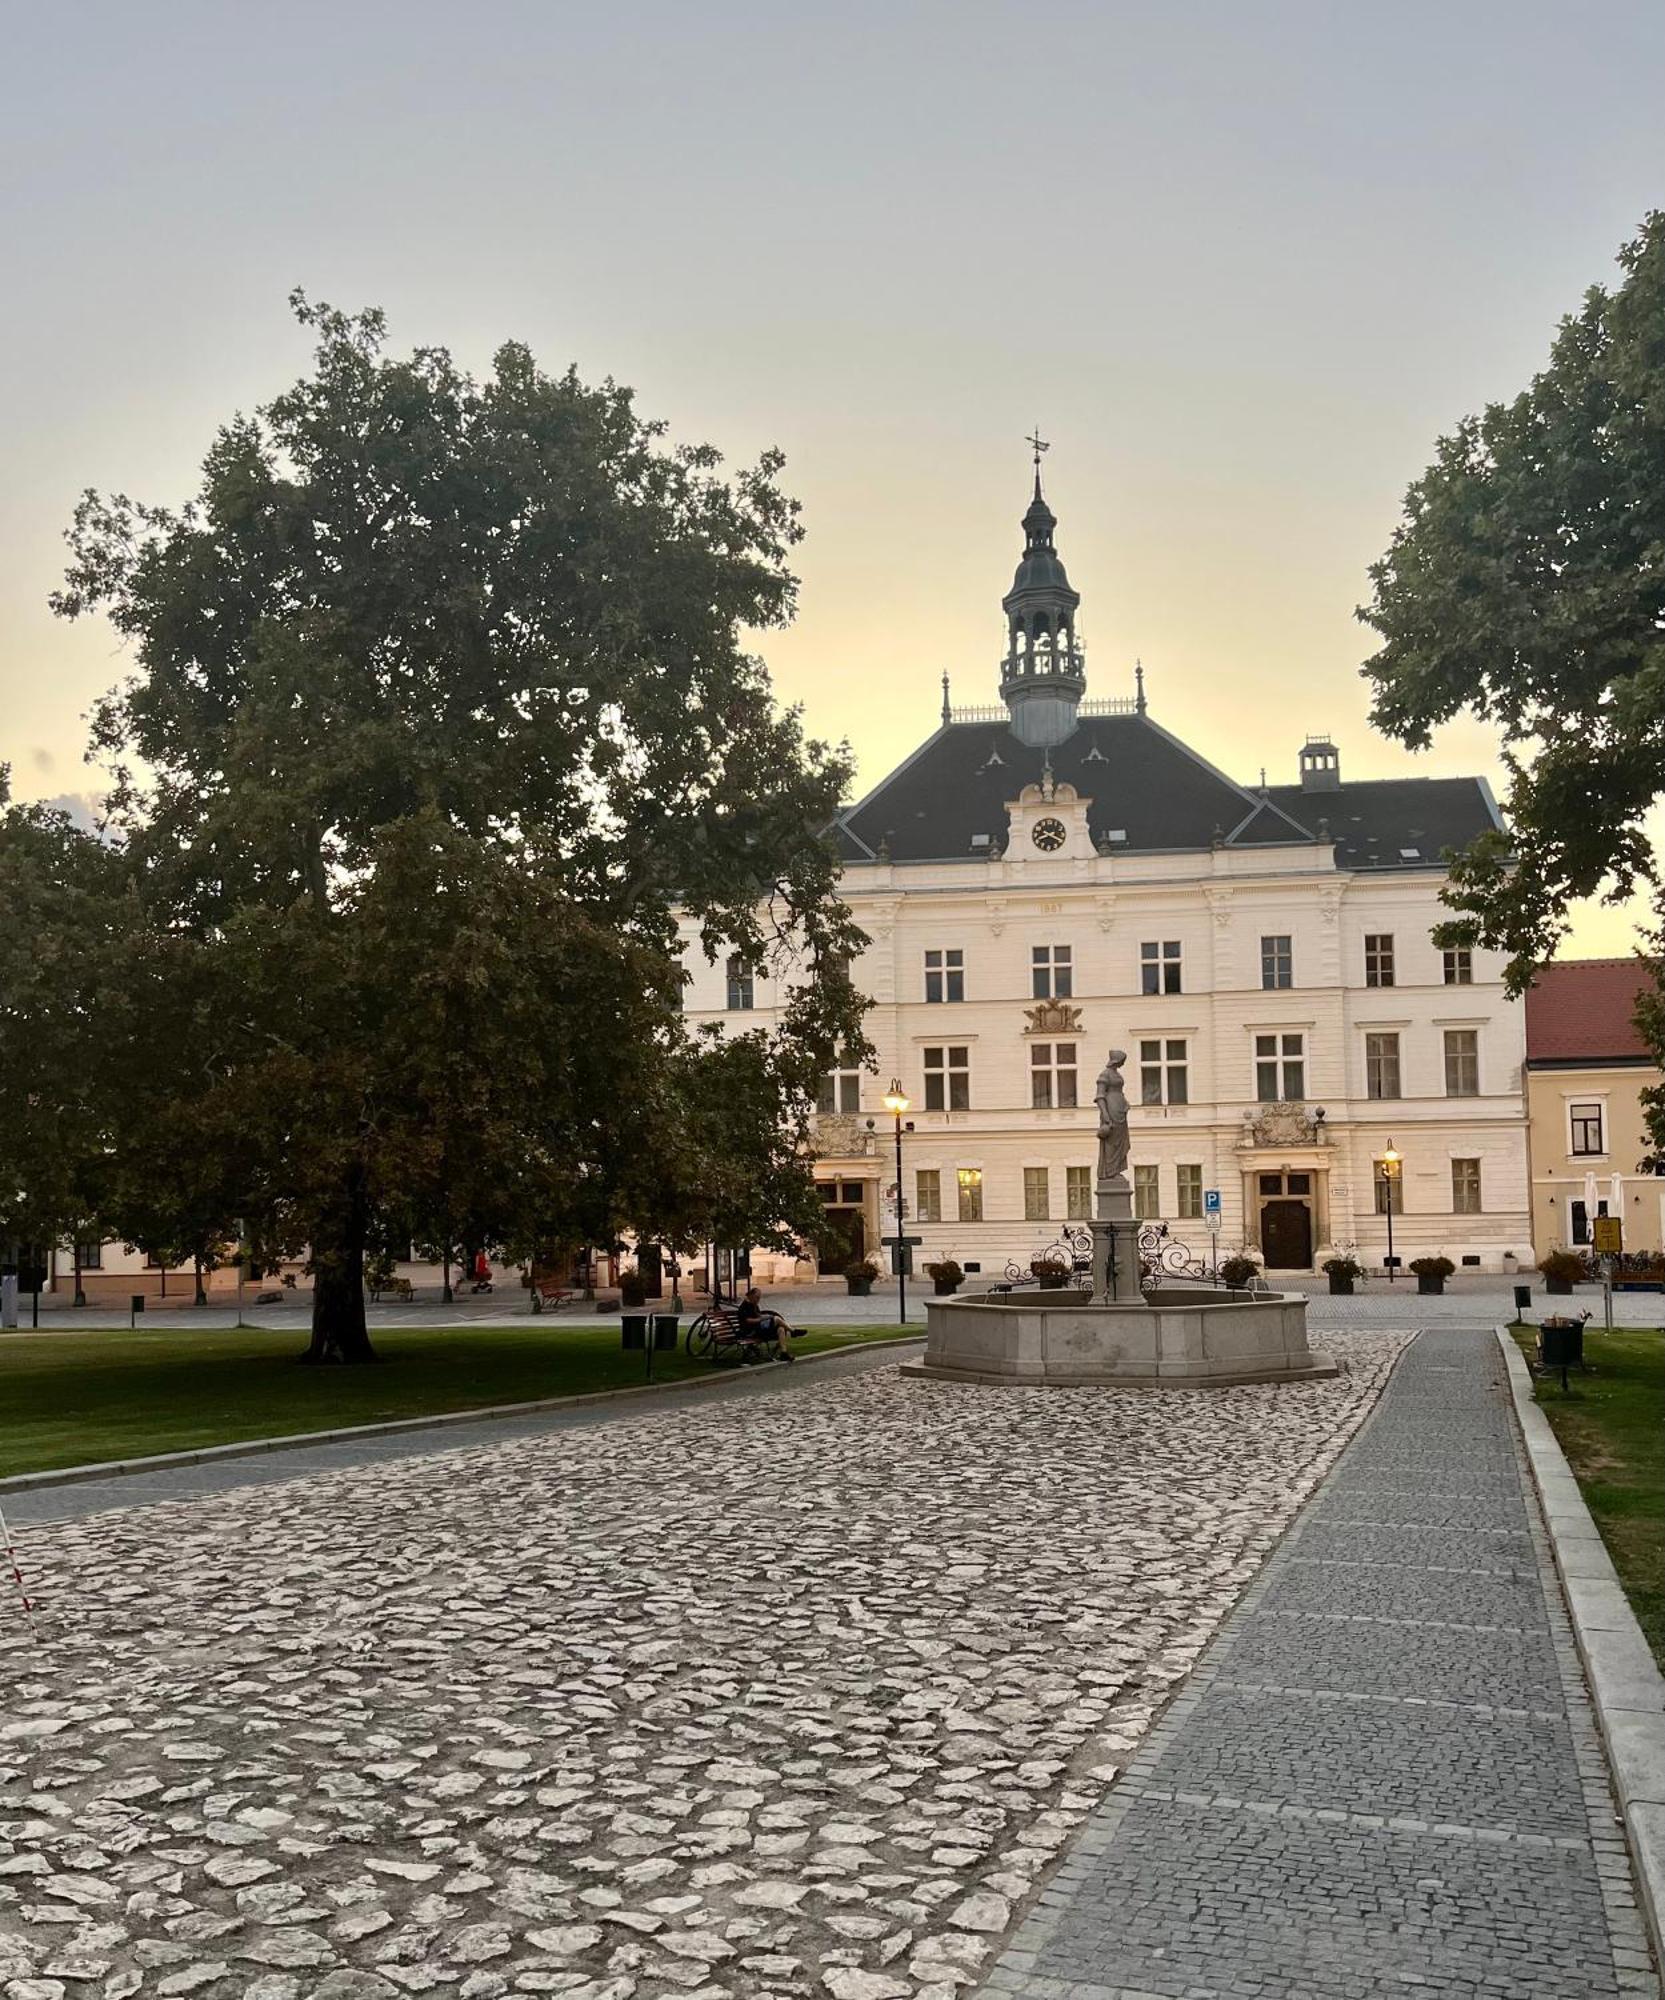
[1286, 1235]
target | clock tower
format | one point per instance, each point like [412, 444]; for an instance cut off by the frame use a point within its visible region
[1044, 674]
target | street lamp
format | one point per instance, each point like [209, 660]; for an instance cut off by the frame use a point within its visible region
[896, 1102]
[1390, 1173]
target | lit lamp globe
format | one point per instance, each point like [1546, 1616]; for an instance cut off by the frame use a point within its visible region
[896, 1098]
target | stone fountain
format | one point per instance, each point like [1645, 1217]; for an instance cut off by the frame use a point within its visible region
[1177, 1335]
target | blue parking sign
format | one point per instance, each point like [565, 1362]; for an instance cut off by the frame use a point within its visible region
[1211, 1201]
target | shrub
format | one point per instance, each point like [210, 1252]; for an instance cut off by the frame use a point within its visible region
[1432, 1267]
[945, 1268]
[1562, 1266]
[1343, 1267]
[863, 1268]
[1237, 1271]
[632, 1290]
[1049, 1267]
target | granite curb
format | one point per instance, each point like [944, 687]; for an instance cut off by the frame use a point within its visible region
[213, 1454]
[1626, 1686]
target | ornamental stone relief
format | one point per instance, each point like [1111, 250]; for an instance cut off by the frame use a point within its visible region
[1282, 1125]
[1053, 1017]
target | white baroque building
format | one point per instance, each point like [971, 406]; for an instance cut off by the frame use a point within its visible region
[1051, 878]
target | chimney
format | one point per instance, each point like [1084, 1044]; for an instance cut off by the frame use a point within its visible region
[1320, 765]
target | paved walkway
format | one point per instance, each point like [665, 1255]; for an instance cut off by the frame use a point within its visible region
[1385, 1777]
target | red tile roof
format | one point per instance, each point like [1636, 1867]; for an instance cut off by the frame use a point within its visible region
[1581, 1008]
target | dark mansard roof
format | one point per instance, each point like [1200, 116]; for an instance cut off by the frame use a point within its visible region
[948, 800]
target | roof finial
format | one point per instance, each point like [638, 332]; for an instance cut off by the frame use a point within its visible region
[947, 712]
[1037, 444]
[1139, 687]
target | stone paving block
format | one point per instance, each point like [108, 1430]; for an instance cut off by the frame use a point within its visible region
[1438, 1764]
[1426, 1596]
[1507, 1670]
[1237, 1905]
[1455, 1547]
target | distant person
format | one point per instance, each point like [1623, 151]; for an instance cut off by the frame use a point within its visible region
[482, 1271]
[756, 1323]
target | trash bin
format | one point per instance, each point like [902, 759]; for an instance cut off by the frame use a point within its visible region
[664, 1333]
[1523, 1301]
[1561, 1343]
[635, 1330]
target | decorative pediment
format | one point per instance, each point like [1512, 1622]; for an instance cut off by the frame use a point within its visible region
[1282, 1125]
[1053, 1017]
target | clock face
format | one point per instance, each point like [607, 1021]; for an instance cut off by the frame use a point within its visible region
[1049, 835]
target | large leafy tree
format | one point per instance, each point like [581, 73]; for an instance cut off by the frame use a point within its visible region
[1526, 584]
[61, 944]
[440, 714]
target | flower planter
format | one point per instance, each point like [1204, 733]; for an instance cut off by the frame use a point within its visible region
[1340, 1288]
[945, 1287]
[1430, 1284]
[859, 1288]
[1053, 1281]
[1560, 1288]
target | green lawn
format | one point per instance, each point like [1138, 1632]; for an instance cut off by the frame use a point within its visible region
[1611, 1425]
[75, 1398]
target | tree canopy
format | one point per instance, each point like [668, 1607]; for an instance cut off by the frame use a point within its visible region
[1526, 583]
[440, 717]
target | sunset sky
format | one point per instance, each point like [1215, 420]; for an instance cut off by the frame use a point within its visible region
[1242, 263]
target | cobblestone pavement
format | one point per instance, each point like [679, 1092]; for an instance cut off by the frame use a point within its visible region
[1385, 1776]
[796, 1694]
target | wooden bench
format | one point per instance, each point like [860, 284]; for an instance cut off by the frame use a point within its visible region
[549, 1294]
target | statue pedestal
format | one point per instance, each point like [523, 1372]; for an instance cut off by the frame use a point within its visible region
[1115, 1245]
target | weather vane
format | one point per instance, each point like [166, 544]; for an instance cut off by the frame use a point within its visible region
[1039, 443]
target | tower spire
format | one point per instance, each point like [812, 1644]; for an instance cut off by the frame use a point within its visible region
[1044, 675]
[947, 712]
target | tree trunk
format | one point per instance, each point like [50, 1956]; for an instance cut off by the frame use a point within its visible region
[202, 1296]
[338, 1329]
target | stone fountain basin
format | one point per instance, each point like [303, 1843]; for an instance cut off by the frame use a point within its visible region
[1181, 1337]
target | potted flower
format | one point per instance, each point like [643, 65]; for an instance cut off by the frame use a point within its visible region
[1431, 1273]
[1561, 1271]
[1237, 1271]
[1343, 1272]
[859, 1277]
[632, 1290]
[1052, 1273]
[945, 1276]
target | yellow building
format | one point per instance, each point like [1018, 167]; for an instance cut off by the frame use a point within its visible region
[1586, 1067]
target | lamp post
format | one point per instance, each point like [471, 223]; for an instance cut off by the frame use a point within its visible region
[1390, 1173]
[896, 1102]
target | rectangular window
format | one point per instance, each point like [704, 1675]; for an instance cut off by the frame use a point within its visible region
[1051, 973]
[1587, 1136]
[1280, 1069]
[1580, 1214]
[1381, 1065]
[840, 1088]
[1164, 1074]
[90, 1256]
[1052, 1075]
[1378, 958]
[1465, 1187]
[971, 1193]
[1036, 1205]
[1078, 1194]
[1159, 967]
[1459, 965]
[1189, 1190]
[1387, 1193]
[945, 975]
[927, 1195]
[948, 1078]
[739, 985]
[1277, 963]
[1462, 1062]
[1147, 1194]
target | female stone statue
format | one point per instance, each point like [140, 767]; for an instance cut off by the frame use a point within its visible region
[1111, 1099]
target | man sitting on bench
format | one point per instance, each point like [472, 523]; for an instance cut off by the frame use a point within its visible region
[757, 1324]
